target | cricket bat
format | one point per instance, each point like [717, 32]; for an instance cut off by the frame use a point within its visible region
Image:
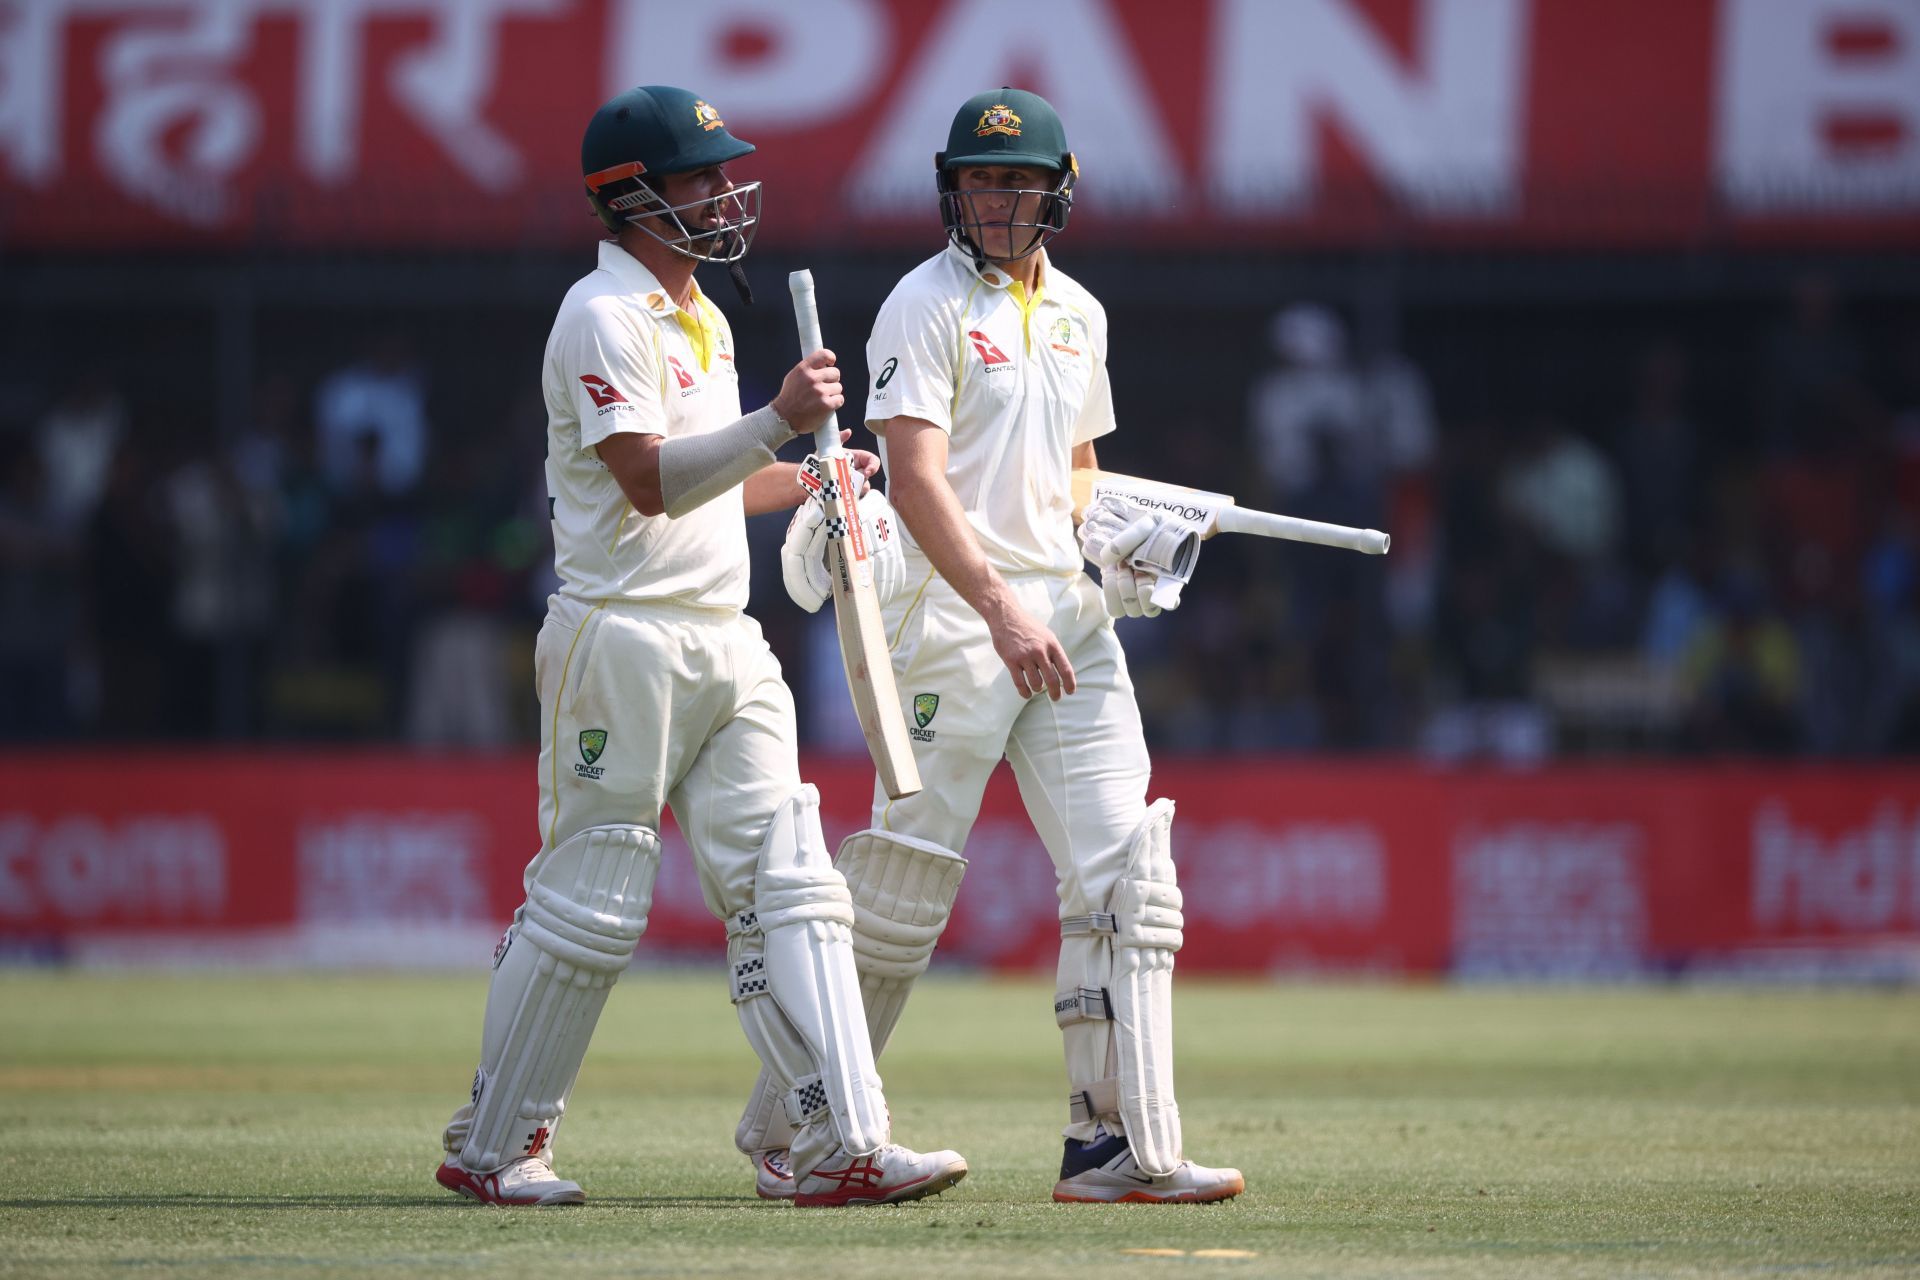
[1213, 513]
[856, 607]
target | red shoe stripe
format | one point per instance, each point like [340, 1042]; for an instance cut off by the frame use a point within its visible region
[852, 1195]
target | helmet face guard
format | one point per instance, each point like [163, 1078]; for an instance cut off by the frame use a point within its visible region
[961, 213]
[625, 199]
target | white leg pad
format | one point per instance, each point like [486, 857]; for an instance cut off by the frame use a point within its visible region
[1114, 1004]
[798, 993]
[903, 893]
[585, 911]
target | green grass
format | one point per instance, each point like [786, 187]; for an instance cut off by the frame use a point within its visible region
[231, 1126]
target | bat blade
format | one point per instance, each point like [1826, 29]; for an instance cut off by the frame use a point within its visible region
[856, 606]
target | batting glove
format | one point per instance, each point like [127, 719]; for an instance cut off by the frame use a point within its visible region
[1145, 557]
[803, 556]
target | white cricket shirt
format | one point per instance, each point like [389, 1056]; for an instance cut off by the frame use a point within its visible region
[623, 357]
[1015, 382]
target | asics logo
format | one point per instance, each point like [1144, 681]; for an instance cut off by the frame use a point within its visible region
[863, 1174]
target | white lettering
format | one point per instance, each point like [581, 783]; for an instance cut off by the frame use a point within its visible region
[1081, 63]
[32, 52]
[1819, 103]
[78, 869]
[1537, 898]
[385, 866]
[162, 74]
[1863, 879]
[1240, 874]
[785, 65]
[1445, 134]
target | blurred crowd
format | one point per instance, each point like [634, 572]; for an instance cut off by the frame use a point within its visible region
[1655, 580]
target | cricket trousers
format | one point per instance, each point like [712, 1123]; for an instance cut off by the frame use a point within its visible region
[645, 706]
[1081, 762]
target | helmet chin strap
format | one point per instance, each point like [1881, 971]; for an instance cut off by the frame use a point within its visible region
[739, 278]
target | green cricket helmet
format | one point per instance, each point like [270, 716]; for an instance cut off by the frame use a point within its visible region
[1005, 127]
[655, 131]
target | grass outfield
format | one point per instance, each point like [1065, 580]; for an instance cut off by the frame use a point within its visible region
[275, 1125]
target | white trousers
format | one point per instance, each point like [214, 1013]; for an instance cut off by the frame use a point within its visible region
[1081, 762]
[648, 706]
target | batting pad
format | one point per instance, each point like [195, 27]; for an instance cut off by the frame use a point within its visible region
[798, 994]
[586, 909]
[1115, 1007]
[903, 893]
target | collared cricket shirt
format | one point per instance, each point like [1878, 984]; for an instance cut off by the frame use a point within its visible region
[1015, 382]
[623, 357]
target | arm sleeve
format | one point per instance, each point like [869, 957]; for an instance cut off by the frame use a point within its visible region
[912, 360]
[611, 370]
[698, 469]
[1096, 415]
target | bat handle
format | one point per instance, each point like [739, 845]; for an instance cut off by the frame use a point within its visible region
[1370, 542]
[806, 314]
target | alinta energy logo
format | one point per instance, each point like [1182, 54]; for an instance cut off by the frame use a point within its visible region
[990, 355]
[605, 398]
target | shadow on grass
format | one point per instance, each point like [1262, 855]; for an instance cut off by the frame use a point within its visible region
[190, 1200]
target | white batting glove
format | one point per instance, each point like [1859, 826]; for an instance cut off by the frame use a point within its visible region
[1145, 557]
[803, 556]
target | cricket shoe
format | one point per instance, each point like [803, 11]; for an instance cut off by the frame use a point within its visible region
[1107, 1173]
[772, 1175]
[528, 1180]
[891, 1175]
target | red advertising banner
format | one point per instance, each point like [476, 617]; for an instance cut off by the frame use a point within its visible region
[1286, 867]
[1213, 124]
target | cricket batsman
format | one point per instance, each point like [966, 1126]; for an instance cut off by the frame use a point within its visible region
[989, 386]
[657, 690]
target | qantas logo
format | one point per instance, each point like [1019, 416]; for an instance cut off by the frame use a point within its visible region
[680, 374]
[989, 354]
[604, 396]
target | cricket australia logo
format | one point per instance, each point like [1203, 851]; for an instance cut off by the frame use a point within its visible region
[925, 706]
[592, 743]
[998, 118]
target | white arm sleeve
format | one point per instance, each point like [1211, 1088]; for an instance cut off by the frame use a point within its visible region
[697, 469]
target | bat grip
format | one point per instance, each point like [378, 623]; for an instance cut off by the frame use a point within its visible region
[806, 314]
[1370, 542]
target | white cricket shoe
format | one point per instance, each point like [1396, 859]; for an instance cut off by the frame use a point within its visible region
[528, 1180]
[1107, 1173]
[772, 1175]
[888, 1176]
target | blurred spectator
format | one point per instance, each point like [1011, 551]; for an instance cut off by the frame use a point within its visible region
[77, 439]
[129, 599]
[222, 592]
[459, 686]
[1563, 491]
[384, 396]
[1659, 458]
[1810, 369]
[1742, 673]
[1311, 411]
[1484, 647]
[38, 602]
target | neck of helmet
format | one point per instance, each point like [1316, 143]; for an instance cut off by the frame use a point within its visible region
[673, 270]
